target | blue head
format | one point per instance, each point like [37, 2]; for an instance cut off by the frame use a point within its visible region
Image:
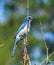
[28, 19]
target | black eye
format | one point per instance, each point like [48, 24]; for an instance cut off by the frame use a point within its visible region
[29, 18]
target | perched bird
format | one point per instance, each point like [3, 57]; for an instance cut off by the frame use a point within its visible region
[22, 32]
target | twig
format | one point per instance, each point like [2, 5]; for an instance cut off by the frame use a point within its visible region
[1, 45]
[29, 62]
[25, 51]
[46, 58]
[26, 56]
[27, 7]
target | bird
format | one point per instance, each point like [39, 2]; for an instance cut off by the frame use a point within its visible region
[22, 32]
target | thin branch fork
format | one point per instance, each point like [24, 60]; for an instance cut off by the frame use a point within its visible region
[46, 58]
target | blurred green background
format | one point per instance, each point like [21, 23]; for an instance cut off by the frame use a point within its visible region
[12, 14]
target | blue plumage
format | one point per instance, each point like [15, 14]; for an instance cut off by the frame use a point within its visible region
[22, 26]
[22, 32]
[15, 46]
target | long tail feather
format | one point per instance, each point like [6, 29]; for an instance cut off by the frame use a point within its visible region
[14, 48]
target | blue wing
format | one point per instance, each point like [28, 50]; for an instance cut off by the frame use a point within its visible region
[21, 27]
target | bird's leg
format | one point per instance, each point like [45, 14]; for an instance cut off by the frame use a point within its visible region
[25, 41]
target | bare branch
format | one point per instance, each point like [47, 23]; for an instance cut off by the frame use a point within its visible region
[46, 58]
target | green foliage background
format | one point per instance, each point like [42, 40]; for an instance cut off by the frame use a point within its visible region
[8, 29]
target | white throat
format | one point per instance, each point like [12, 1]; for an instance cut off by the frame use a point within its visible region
[28, 26]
